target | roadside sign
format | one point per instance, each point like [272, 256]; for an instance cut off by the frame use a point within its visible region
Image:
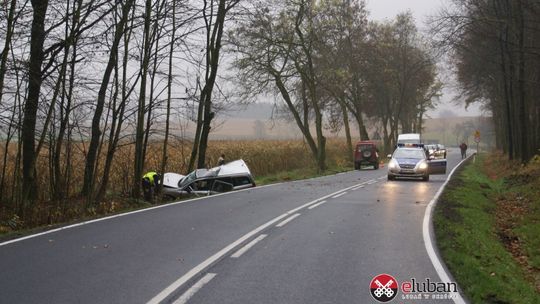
[477, 136]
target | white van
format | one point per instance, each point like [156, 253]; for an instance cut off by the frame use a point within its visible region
[409, 138]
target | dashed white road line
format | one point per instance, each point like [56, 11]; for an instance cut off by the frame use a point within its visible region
[382, 177]
[370, 182]
[359, 187]
[218, 255]
[243, 250]
[339, 195]
[287, 220]
[193, 290]
[316, 205]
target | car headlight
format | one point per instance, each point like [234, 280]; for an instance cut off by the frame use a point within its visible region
[393, 164]
[423, 165]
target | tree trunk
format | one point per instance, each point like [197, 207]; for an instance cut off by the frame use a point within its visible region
[139, 135]
[169, 94]
[523, 118]
[37, 40]
[118, 118]
[350, 153]
[91, 157]
[212, 63]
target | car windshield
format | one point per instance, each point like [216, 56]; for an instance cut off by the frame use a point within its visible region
[409, 153]
[188, 179]
[364, 147]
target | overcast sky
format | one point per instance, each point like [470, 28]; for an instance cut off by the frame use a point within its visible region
[388, 9]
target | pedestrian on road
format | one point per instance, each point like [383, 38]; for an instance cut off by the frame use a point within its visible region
[221, 160]
[150, 181]
[463, 148]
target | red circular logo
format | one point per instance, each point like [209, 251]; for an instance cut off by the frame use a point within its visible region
[384, 288]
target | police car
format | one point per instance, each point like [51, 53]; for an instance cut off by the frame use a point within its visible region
[412, 161]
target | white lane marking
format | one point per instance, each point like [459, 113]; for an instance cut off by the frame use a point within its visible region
[214, 258]
[382, 177]
[243, 250]
[371, 182]
[152, 208]
[339, 195]
[210, 261]
[193, 290]
[129, 213]
[316, 205]
[284, 222]
[428, 242]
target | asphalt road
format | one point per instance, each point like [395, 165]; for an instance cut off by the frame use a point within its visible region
[325, 251]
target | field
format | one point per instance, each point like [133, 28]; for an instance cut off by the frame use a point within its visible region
[268, 160]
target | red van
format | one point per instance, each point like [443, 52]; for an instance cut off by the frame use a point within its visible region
[366, 153]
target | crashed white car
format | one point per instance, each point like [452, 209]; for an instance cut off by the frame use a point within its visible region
[231, 176]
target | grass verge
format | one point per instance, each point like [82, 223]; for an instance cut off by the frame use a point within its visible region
[487, 229]
[9, 229]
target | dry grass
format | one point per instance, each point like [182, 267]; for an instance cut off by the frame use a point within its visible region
[264, 158]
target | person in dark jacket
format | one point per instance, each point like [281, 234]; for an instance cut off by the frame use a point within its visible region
[463, 148]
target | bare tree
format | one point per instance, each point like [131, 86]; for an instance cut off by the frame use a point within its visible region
[32, 101]
[214, 15]
[277, 54]
[494, 44]
[91, 156]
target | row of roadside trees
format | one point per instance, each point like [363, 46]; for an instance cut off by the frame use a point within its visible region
[79, 79]
[325, 58]
[496, 46]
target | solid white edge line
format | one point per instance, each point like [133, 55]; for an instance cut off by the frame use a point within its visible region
[151, 208]
[287, 220]
[129, 213]
[316, 205]
[244, 249]
[193, 290]
[214, 258]
[339, 195]
[428, 242]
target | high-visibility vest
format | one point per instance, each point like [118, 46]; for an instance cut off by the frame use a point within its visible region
[150, 176]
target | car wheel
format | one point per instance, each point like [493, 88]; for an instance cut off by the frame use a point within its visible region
[425, 178]
[356, 166]
[376, 166]
[391, 177]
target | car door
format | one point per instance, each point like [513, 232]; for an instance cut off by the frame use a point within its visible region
[437, 166]
[221, 185]
[199, 187]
